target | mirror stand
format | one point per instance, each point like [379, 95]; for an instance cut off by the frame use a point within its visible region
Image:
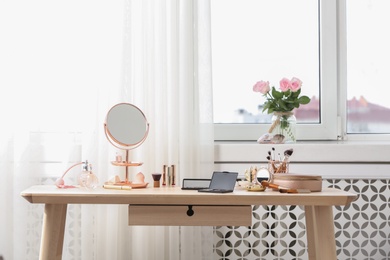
[126, 128]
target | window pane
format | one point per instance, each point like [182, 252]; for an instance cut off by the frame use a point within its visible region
[256, 40]
[368, 41]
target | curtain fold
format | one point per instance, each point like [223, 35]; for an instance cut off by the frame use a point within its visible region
[163, 66]
[169, 84]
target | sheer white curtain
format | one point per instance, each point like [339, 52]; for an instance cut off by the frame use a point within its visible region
[65, 65]
[167, 74]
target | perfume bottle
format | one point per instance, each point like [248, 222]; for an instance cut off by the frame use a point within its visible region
[87, 179]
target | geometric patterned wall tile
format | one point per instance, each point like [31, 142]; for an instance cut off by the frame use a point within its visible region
[362, 229]
[277, 232]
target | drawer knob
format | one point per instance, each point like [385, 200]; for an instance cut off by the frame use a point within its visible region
[190, 211]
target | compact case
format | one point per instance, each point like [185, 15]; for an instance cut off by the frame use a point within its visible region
[298, 181]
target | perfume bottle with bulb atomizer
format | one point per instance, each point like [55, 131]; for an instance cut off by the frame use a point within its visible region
[87, 178]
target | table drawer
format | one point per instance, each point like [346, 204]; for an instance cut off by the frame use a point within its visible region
[172, 215]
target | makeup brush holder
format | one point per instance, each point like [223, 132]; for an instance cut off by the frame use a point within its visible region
[275, 167]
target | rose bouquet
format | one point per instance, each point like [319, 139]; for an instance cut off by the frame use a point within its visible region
[285, 100]
[281, 103]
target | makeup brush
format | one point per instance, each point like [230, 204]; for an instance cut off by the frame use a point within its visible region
[274, 186]
[287, 154]
[283, 189]
[283, 166]
[273, 153]
[271, 163]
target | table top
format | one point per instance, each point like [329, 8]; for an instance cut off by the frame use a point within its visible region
[50, 194]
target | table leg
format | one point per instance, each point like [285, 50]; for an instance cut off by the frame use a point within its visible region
[320, 233]
[53, 232]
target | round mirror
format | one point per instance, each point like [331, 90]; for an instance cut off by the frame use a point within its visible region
[126, 126]
[263, 174]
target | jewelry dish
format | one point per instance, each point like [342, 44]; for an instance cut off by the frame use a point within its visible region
[256, 187]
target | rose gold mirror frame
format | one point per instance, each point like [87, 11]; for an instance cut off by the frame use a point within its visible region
[123, 146]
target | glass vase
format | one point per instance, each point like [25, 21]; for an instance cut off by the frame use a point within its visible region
[283, 127]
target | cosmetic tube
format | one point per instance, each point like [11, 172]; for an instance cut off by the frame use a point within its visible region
[169, 176]
[165, 169]
[173, 172]
[116, 187]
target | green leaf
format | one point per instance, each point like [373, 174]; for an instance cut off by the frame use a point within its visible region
[276, 94]
[304, 100]
[287, 93]
[297, 93]
[266, 105]
[290, 101]
[282, 105]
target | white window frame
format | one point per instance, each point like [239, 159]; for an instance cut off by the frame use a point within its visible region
[343, 84]
[330, 127]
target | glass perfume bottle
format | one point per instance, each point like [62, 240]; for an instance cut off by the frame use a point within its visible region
[87, 178]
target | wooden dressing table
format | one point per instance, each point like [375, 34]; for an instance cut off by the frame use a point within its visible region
[173, 206]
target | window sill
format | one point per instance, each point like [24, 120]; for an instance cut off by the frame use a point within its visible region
[329, 159]
[306, 151]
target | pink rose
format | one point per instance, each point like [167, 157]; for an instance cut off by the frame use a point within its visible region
[295, 84]
[262, 87]
[285, 84]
